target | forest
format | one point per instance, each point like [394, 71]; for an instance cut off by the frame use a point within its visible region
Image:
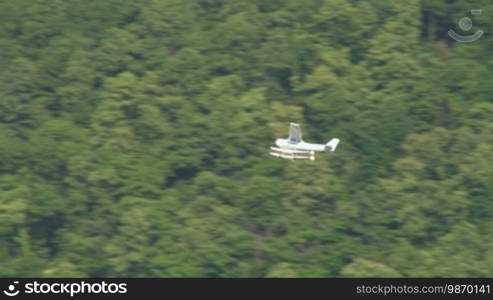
[134, 138]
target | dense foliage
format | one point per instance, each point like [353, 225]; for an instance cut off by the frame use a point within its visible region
[134, 138]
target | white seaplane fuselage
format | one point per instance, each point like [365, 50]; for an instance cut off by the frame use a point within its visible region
[302, 146]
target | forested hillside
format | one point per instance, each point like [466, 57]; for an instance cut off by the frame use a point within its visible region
[134, 138]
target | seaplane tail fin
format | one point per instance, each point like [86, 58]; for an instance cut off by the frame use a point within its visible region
[332, 145]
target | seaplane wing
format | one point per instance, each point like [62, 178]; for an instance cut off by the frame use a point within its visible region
[295, 135]
[295, 148]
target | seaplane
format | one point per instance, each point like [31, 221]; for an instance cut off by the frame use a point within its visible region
[295, 148]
